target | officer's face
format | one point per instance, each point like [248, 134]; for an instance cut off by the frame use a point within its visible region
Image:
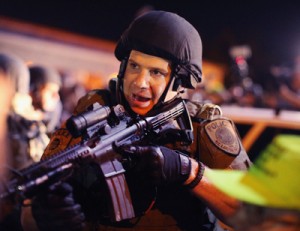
[49, 96]
[145, 80]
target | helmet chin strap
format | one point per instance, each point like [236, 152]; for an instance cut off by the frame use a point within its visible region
[171, 92]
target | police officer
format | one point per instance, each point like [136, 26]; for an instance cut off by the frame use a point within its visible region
[18, 128]
[26, 133]
[45, 84]
[160, 55]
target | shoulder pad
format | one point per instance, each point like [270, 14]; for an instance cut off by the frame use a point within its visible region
[205, 111]
[93, 96]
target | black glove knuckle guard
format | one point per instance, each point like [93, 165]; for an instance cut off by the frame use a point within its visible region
[161, 164]
[177, 166]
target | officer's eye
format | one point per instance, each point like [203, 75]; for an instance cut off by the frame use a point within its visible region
[158, 73]
[133, 65]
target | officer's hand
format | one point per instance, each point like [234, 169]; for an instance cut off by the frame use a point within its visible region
[56, 210]
[160, 164]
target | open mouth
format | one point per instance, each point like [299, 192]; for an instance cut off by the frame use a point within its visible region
[140, 98]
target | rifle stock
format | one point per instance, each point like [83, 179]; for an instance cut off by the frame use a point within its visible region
[102, 129]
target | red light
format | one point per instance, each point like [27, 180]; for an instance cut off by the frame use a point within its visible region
[240, 60]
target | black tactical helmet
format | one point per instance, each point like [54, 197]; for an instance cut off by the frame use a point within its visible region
[16, 69]
[40, 75]
[169, 36]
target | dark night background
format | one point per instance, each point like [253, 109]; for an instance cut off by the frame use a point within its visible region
[271, 28]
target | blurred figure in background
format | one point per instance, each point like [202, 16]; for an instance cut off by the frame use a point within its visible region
[22, 119]
[15, 107]
[269, 190]
[45, 84]
[70, 92]
[290, 92]
[6, 93]
[285, 93]
[243, 90]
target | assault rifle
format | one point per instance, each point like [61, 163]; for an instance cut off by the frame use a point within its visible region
[103, 128]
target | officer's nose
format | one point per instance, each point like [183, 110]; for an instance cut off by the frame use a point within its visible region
[142, 80]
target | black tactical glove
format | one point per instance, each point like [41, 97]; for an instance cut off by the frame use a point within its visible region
[160, 164]
[56, 210]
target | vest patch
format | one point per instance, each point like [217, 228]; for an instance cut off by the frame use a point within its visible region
[222, 134]
[59, 141]
[54, 144]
